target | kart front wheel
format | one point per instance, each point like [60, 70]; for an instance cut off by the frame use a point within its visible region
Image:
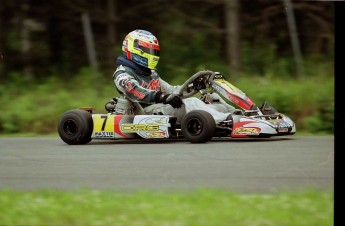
[198, 126]
[75, 127]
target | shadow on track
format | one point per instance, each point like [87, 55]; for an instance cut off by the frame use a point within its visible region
[182, 140]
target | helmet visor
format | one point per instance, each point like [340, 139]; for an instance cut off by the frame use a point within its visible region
[149, 48]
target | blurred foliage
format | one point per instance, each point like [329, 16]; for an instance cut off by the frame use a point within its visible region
[36, 107]
[39, 38]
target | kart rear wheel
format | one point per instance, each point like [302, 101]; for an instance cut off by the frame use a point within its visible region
[75, 127]
[198, 126]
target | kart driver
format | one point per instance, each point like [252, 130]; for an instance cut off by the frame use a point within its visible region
[138, 80]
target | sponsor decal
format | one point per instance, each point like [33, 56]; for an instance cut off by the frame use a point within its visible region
[247, 131]
[148, 127]
[130, 89]
[104, 134]
[223, 91]
[122, 80]
[158, 134]
[232, 98]
[280, 124]
[160, 120]
[138, 94]
[128, 86]
[153, 85]
[232, 93]
[144, 35]
[133, 128]
[148, 45]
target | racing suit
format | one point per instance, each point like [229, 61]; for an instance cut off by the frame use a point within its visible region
[140, 84]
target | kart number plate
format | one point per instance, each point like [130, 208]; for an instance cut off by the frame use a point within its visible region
[283, 130]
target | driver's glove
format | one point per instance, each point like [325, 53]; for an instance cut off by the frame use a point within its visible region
[174, 100]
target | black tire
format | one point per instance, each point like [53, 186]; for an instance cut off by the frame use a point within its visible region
[198, 126]
[75, 127]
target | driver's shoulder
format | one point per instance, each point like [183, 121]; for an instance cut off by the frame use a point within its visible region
[122, 71]
[119, 70]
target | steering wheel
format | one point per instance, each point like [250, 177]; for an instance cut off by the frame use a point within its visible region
[188, 88]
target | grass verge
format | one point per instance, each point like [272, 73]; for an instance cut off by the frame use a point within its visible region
[201, 207]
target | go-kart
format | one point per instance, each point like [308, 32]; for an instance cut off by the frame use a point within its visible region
[126, 119]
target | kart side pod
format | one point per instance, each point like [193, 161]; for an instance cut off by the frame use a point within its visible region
[80, 126]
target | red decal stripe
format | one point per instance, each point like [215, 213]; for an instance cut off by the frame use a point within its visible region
[237, 125]
[244, 104]
[117, 130]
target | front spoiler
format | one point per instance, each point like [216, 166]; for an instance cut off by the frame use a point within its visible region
[262, 126]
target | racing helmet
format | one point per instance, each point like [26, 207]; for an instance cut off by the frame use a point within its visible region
[141, 47]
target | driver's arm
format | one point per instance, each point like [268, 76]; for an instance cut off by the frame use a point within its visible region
[130, 87]
[167, 88]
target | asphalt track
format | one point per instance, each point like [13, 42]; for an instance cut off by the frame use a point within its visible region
[250, 165]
